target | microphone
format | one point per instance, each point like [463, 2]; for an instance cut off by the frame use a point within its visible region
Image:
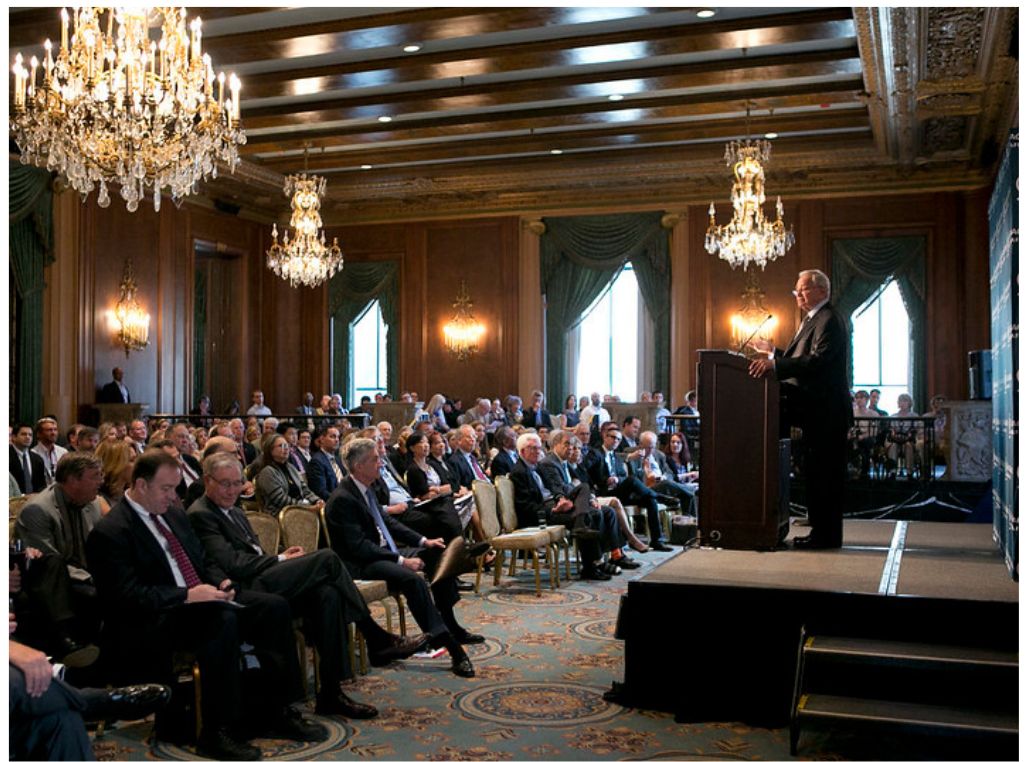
[755, 331]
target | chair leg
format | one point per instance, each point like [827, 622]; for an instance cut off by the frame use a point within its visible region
[567, 561]
[478, 572]
[501, 557]
[538, 583]
[513, 564]
[197, 699]
[400, 613]
[351, 651]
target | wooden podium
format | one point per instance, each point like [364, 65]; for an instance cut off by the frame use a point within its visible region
[120, 412]
[744, 498]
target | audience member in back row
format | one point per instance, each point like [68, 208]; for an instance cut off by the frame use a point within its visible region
[151, 573]
[47, 447]
[325, 470]
[374, 545]
[26, 466]
[316, 584]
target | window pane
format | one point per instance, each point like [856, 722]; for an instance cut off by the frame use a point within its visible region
[866, 370]
[881, 346]
[895, 338]
[369, 355]
[609, 338]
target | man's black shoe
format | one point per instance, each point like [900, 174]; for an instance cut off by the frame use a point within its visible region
[342, 704]
[810, 542]
[609, 568]
[465, 585]
[466, 638]
[402, 647]
[131, 702]
[595, 573]
[670, 502]
[217, 744]
[73, 654]
[660, 547]
[478, 548]
[626, 563]
[463, 667]
[292, 726]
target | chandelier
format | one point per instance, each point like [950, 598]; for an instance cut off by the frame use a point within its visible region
[463, 333]
[752, 321]
[116, 107]
[749, 238]
[133, 320]
[305, 259]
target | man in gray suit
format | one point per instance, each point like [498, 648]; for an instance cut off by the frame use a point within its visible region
[60, 588]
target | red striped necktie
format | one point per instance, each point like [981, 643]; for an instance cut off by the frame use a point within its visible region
[178, 553]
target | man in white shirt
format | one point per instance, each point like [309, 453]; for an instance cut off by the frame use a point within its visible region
[47, 447]
[257, 406]
[137, 435]
[594, 409]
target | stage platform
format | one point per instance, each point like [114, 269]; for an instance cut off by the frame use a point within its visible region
[713, 634]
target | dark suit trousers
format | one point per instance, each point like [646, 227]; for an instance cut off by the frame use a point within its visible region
[320, 589]
[439, 519]
[632, 491]
[48, 727]
[826, 478]
[214, 631]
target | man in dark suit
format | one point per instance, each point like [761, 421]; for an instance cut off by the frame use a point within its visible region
[373, 545]
[325, 470]
[815, 398]
[506, 441]
[115, 391]
[610, 477]
[317, 585]
[463, 458]
[536, 416]
[161, 593]
[247, 452]
[561, 503]
[188, 466]
[26, 466]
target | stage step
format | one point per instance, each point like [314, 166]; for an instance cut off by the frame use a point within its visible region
[935, 687]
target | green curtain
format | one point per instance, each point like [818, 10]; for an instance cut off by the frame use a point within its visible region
[579, 258]
[859, 268]
[199, 332]
[31, 250]
[349, 293]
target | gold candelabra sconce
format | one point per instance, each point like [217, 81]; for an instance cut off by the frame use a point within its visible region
[752, 320]
[463, 333]
[133, 320]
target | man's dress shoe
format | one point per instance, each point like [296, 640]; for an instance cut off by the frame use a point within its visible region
[609, 568]
[74, 654]
[466, 638]
[464, 585]
[402, 647]
[463, 667]
[669, 501]
[811, 542]
[218, 744]
[660, 547]
[456, 560]
[626, 563]
[292, 726]
[131, 702]
[595, 573]
[342, 704]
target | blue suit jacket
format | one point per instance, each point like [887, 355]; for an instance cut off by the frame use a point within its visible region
[321, 477]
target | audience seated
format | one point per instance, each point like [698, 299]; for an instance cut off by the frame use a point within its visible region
[464, 461]
[902, 453]
[374, 545]
[506, 452]
[26, 465]
[653, 470]
[47, 448]
[160, 592]
[864, 433]
[537, 416]
[436, 414]
[247, 452]
[137, 435]
[279, 483]
[257, 406]
[325, 470]
[116, 460]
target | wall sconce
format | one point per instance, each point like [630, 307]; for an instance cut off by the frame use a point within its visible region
[133, 321]
[752, 321]
[463, 333]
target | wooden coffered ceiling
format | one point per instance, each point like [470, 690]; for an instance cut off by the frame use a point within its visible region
[504, 110]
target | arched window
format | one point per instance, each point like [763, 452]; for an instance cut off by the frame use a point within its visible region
[608, 340]
[881, 345]
[368, 358]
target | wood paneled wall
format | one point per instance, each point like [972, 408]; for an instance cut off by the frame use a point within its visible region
[285, 348]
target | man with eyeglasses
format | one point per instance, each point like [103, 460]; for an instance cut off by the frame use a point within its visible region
[316, 585]
[816, 399]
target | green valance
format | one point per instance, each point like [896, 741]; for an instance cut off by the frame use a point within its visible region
[860, 266]
[579, 258]
[349, 293]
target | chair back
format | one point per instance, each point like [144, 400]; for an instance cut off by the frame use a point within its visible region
[324, 526]
[485, 501]
[300, 526]
[505, 503]
[16, 504]
[10, 528]
[268, 530]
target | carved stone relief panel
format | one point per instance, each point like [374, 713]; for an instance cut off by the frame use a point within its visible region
[969, 435]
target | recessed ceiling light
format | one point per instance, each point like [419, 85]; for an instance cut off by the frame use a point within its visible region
[365, 166]
[556, 152]
[385, 119]
[770, 135]
[705, 13]
[414, 48]
[616, 97]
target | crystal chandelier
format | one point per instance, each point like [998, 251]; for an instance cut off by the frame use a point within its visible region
[306, 259]
[463, 333]
[749, 238]
[116, 107]
[133, 320]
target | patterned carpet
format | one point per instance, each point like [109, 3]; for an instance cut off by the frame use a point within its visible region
[538, 693]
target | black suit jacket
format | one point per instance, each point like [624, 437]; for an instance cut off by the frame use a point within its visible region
[536, 420]
[812, 370]
[599, 470]
[111, 393]
[446, 472]
[354, 533]
[321, 477]
[458, 462]
[501, 464]
[182, 490]
[226, 543]
[551, 470]
[38, 471]
[528, 498]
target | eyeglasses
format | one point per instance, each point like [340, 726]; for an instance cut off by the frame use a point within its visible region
[805, 289]
[228, 483]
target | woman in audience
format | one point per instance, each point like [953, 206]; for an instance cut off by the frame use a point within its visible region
[436, 415]
[108, 432]
[902, 435]
[423, 480]
[570, 412]
[437, 452]
[482, 453]
[116, 459]
[203, 408]
[279, 484]
[679, 458]
[199, 435]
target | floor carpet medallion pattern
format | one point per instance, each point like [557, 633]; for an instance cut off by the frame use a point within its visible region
[537, 694]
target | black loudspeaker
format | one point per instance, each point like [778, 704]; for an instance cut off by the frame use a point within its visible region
[979, 372]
